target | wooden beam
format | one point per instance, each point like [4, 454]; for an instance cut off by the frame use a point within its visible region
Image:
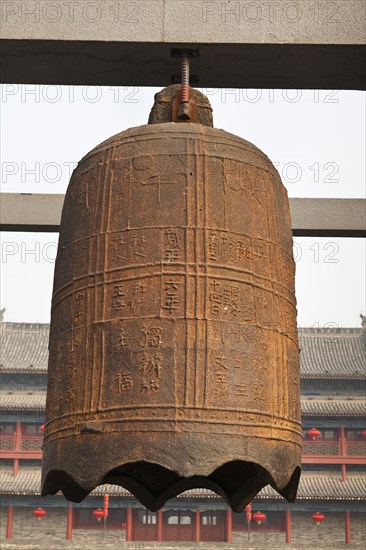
[323, 459]
[23, 454]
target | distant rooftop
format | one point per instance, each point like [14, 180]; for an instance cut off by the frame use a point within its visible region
[330, 407]
[325, 353]
[24, 347]
[332, 353]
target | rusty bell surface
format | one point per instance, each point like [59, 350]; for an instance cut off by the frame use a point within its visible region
[173, 356]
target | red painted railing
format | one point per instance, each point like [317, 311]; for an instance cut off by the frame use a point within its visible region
[7, 442]
[333, 448]
[32, 442]
[356, 448]
[20, 446]
[324, 447]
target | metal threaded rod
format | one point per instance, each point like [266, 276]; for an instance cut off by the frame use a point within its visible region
[184, 94]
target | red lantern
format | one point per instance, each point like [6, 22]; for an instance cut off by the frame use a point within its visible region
[313, 433]
[248, 512]
[318, 517]
[42, 428]
[39, 513]
[363, 433]
[99, 514]
[259, 517]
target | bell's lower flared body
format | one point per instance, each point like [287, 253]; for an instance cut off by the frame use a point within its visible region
[174, 360]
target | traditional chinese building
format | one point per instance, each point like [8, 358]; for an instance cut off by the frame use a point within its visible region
[333, 379]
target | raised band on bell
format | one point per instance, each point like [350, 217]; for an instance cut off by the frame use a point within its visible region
[174, 360]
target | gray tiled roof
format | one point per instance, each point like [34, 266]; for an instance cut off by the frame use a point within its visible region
[28, 482]
[22, 401]
[325, 488]
[314, 487]
[335, 407]
[325, 353]
[24, 347]
[333, 353]
[309, 407]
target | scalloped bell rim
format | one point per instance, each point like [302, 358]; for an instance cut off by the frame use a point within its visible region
[237, 482]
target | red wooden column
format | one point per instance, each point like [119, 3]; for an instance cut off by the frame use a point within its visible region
[344, 472]
[288, 526]
[129, 524]
[17, 446]
[69, 521]
[198, 526]
[343, 449]
[159, 526]
[18, 436]
[342, 437]
[9, 525]
[347, 527]
[229, 525]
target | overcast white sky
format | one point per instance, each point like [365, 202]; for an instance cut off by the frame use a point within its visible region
[315, 138]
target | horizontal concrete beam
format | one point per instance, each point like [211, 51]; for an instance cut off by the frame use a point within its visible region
[218, 65]
[240, 43]
[30, 212]
[310, 217]
[187, 21]
[328, 217]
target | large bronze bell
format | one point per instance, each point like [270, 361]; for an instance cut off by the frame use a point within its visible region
[174, 360]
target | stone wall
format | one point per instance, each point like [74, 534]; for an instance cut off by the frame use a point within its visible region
[330, 531]
[49, 530]
[257, 538]
[83, 536]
